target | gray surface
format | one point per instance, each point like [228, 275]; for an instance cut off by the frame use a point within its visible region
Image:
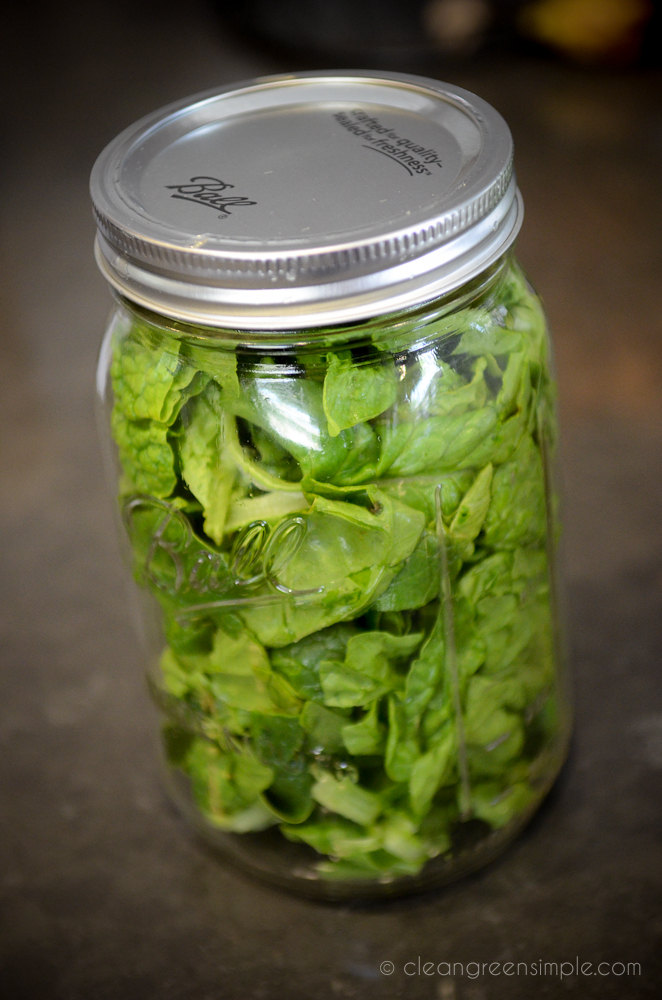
[103, 894]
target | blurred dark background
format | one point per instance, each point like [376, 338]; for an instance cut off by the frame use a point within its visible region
[102, 893]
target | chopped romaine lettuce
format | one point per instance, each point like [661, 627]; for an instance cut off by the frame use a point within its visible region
[349, 551]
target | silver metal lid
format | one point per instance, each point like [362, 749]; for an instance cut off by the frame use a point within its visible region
[298, 201]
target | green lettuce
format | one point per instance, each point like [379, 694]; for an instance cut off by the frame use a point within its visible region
[349, 549]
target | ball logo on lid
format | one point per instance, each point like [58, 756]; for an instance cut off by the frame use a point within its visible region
[209, 191]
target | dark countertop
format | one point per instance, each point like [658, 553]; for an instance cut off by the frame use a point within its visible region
[103, 893]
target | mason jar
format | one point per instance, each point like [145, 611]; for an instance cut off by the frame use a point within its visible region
[331, 427]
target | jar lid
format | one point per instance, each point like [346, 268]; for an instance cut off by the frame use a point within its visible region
[305, 200]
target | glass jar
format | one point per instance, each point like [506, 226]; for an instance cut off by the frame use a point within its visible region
[331, 422]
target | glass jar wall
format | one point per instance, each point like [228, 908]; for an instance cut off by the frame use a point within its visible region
[345, 540]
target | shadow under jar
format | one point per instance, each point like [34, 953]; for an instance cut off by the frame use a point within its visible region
[331, 428]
